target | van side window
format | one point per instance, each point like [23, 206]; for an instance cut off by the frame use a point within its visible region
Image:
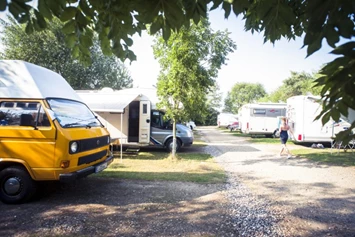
[156, 120]
[22, 114]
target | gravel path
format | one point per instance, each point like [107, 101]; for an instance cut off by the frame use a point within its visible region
[274, 196]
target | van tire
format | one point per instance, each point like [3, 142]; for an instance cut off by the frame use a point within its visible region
[169, 145]
[17, 176]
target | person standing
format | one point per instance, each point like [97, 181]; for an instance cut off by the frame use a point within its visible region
[284, 129]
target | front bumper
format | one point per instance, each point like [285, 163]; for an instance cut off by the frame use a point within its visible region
[187, 141]
[70, 177]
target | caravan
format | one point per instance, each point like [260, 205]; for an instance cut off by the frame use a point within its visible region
[135, 116]
[226, 119]
[261, 119]
[301, 112]
[46, 132]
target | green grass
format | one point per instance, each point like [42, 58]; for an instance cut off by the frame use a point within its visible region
[189, 167]
[327, 156]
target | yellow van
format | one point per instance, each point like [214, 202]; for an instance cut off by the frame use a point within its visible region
[46, 131]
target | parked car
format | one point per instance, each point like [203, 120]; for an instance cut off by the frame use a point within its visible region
[234, 126]
[191, 125]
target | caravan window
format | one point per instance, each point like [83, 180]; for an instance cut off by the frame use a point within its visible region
[145, 109]
[259, 111]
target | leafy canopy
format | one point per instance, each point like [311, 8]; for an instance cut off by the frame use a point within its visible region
[48, 49]
[299, 83]
[243, 93]
[115, 21]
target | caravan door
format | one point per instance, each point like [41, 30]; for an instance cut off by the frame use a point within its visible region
[144, 122]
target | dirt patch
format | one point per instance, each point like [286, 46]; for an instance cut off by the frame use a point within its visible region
[110, 207]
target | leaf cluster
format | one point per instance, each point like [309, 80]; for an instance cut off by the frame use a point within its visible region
[243, 93]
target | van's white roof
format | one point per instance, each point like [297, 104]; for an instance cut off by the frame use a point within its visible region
[19, 79]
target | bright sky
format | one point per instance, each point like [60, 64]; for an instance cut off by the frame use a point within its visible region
[253, 61]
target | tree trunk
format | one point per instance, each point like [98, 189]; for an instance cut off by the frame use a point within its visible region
[173, 152]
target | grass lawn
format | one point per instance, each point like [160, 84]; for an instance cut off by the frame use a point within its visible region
[327, 156]
[190, 167]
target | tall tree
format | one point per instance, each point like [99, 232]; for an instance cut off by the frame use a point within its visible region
[189, 63]
[243, 93]
[299, 83]
[48, 49]
[116, 21]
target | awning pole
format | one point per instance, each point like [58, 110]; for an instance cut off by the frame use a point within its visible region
[121, 135]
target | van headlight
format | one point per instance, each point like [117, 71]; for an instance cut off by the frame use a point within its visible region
[73, 147]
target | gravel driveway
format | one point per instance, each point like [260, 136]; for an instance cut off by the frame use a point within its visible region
[265, 196]
[284, 197]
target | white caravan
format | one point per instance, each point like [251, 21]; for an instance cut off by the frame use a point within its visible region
[226, 119]
[261, 119]
[301, 112]
[133, 119]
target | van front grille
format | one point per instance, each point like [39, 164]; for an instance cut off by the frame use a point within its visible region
[91, 158]
[90, 144]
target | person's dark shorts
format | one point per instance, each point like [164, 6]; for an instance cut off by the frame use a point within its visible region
[283, 140]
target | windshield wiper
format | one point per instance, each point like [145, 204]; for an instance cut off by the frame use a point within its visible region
[79, 122]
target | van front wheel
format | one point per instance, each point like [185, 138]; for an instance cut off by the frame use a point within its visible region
[16, 185]
[169, 145]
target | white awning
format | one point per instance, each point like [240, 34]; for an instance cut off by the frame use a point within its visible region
[103, 102]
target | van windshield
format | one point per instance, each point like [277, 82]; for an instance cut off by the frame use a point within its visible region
[73, 114]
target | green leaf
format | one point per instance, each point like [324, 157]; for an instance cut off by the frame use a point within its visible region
[85, 41]
[55, 7]
[344, 49]
[40, 20]
[166, 33]
[314, 46]
[128, 41]
[70, 40]
[85, 8]
[44, 9]
[196, 18]
[68, 13]
[325, 118]
[131, 56]
[346, 28]
[80, 18]
[216, 4]
[332, 36]
[15, 10]
[155, 27]
[29, 28]
[3, 4]
[227, 9]
[76, 51]
[69, 27]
